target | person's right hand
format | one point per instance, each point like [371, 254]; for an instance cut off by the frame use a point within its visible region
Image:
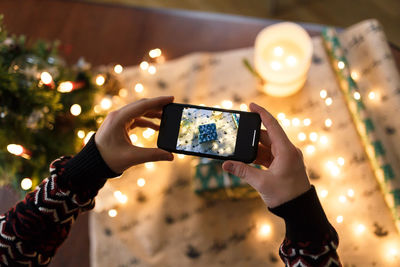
[286, 177]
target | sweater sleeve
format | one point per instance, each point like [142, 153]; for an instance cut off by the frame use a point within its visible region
[310, 239]
[35, 227]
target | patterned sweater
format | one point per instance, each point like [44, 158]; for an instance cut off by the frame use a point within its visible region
[35, 227]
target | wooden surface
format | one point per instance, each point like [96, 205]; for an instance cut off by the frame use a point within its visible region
[106, 34]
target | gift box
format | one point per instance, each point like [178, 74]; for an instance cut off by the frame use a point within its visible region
[212, 182]
[207, 132]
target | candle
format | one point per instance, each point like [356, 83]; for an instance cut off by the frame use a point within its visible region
[282, 57]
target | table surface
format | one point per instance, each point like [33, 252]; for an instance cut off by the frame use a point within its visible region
[110, 34]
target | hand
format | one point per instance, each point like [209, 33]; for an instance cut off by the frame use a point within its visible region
[112, 139]
[286, 177]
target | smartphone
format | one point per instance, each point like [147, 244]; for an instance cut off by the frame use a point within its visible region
[209, 132]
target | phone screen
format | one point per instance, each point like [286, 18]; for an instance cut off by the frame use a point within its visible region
[208, 131]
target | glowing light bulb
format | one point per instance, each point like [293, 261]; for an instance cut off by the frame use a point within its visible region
[291, 61]
[286, 122]
[350, 192]
[123, 92]
[227, 104]
[313, 136]
[120, 197]
[26, 184]
[310, 149]
[341, 65]
[328, 123]
[81, 134]
[323, 139]
[106, 103]
[65, 87]
[302, 136]
[243, 107]
[281, 116]
[118, 69]
[144, 65]
[112, 213]
[278, 51]
[323, 94]
[328, 101]
[100, 80]
[88, 136]
[360, 228]
[371, 95]
[148, 133]
[75, 109]
[323, 193]
[265, 230]
[139, 87]
[152, 70]
[342, 199]
[354, 75]
[46, 78]
[149, 165]
[357, 96]
[307, 122]
[339, 219]
[133, 138]
[99, 120]
[340, 161]
[17, 150]
[153, 53]
[295, 122]
[141, 182]
[275, 65]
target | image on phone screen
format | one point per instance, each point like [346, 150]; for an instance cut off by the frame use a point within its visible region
[208, 131]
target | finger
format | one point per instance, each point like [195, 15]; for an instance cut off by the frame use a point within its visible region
[140, 122]
[264, 138]
[275, 132]
[264, 156]
[248, 173]
[142, 155]
[138, 108]
[153, 114]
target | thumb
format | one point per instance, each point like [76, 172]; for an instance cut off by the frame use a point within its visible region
[248, 173]
[142, 155]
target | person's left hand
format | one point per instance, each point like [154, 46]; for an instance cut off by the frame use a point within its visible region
[112, 139]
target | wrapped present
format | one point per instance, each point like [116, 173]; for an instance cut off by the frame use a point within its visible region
[212, 182]
[207, 132]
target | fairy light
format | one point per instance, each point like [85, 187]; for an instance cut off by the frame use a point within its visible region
[323, 94]
[139, 87]
[323, 139]
[313, 136]
[307, 122]
[106, 103]
[323, 193]
[120, 197]
[149, 165]
[310, 149]
[281, 116]
[97, 109]
[148, 133]
[339, 219]
[342, 199]
[278, 51]
[354, 75]
[152, 70]
[26, 183]
[265, 230]
[341, 65]
[81, 134]
[75, 109]
[227, 104]
[46, 78]
[15, 149]
[144, 65]
[100, 80]
[118, 68]
[99, 120]
[295, 122]
[286, 122]
[243, 107]
[153, 53]
[65, 87]
[181, 156]
[357, 96]
[141, 182]
[340, 161]
[123, 92]
[360, 228]
[112, 213]
[328, 101]
[328, 123]
[350, 192]
[133, 138]
[302, 136]
[88, 136]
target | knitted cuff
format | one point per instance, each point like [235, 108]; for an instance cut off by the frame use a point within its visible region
[305, 218]
[86, 171]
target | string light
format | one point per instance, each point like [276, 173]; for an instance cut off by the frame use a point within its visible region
[139, 87]
[328, 101]
[118, 68]
[227, 104]
[144, 65]
[81, 134]
[281, 116]
[123, 92]
[310, 149]
[265, 230]
[323, 139]
[100, 80]
[302, 136]
[350, 192]
[342, 199]
[278, 51]
[120, 197]
[149, 165]
[15, 149]
[97, 109]
[99, 120]
[323, 94]
[340, 161]
[65, 87]
[323, 193]
[155, 53]
[333, 168]
[354, 75]
[152, 70]
[286, 122]
[106, 103]
[88, 136]
[46, 78]
[357, 96]
[341, 65]
[133, 138]
[141, 182]
[75, 109]
[243, 107]
[328, 123]
[307, 122]
[26, 184]
[313, 136]
[339, 219]
[148, 133]
[295, 122]
[112, 213]
[360, 228]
